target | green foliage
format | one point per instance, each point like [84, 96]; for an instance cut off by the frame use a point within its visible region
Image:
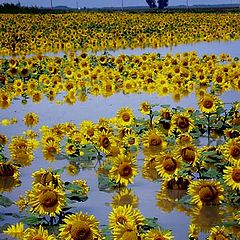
[5, 201]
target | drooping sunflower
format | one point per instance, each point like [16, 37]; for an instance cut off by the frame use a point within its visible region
[167, 165]
[80, 226]
[154, 234]
[231, 176]
[125, 116]
[206, 192]
[208, 103]
[187, 153]
[46, 200]
[124, 169]
[46, 177]
[124, 197]
[219, 233]
[15, 231]
[37, 233]
[231, 150]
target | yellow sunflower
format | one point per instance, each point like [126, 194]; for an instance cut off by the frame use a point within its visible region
[154, 139]
[37, 233]
[15, 231]
[46, 199]
[125, 116]
[181, 122]
[155, 234]
[126, 231]
[231, 176]
[145, 108]
[149, 168]
[206, 192]
[187, 153]
[124, 197]
[231, 150]
[83, 184]
[80, 226]
[219, 233]
[123, 169]
[167, 165]
[72, 169]
[131, 139]
[46, 177]
[50, 149]
[193, 231]
[208, 103]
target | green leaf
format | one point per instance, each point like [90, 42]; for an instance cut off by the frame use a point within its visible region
[185, 199]
[32, 219]
[211, 173]
[5, 202]
[58, 171]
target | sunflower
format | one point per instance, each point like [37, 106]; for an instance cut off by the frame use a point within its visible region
[208, 103]
[154, 139]
[231, 150]
[125, 116]
[187, 153]
[5, 99]
[219, 233]
[15, 231]
[80, 226]
[31, 119]
[83, 185]
[167, 165]
[50, 149]
[46, 199]
[46, 177]
[181, 122]
[37, 233]
[231, 176]
[149, 169]
[124, 197]
[206, 192]
[123, 169]
[184, 139]
[131, 139]
[7, 169]
[125, 232]
[88, 128]
[154, 234]
[21, 150]
[193, 231]
[70, 148]
[145, 108]
[72, 169]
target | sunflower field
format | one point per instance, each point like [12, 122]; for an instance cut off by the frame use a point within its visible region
[96, 145]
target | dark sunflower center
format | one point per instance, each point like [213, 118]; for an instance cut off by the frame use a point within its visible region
[219, 79]
[208, 194]
[220, 237]
[126, 117]
[208, 103]
[182, 122]
[155, 141]
[105, 141]
[159, 238]
[37, 238]
[6, 170]
[236, 121]
[46, 178]
[80, 231]
[184, 139]
[236, 175]
[188, 154]
[169, 164]
[49, 199]
[125, 170]
[121, 220]
[90, 132]
[131, 141]
[235, 151]
[52, 150]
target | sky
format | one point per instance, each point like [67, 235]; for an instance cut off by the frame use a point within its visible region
[108, 3]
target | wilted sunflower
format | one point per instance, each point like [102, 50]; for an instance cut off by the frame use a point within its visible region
[46, 177]
[167, 165]
[219, 233]
[37, 233]
[154, 234]
[123, 169]
[46, 200]
[124, 197]
[80, 226]
[125, 232]
[3, 139]
[15, 231]
[231, 150]
[125, 116]
[206, 192]
[208, 103]
[231, 176]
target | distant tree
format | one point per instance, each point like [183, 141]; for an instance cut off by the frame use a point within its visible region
[151, 3]
[162, 4]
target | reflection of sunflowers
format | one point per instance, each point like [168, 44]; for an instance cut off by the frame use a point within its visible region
[206, 192]
[46, 199]
[218, 233]
[123, 169]
[80, 226]
[149, 169]
[158, 234]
